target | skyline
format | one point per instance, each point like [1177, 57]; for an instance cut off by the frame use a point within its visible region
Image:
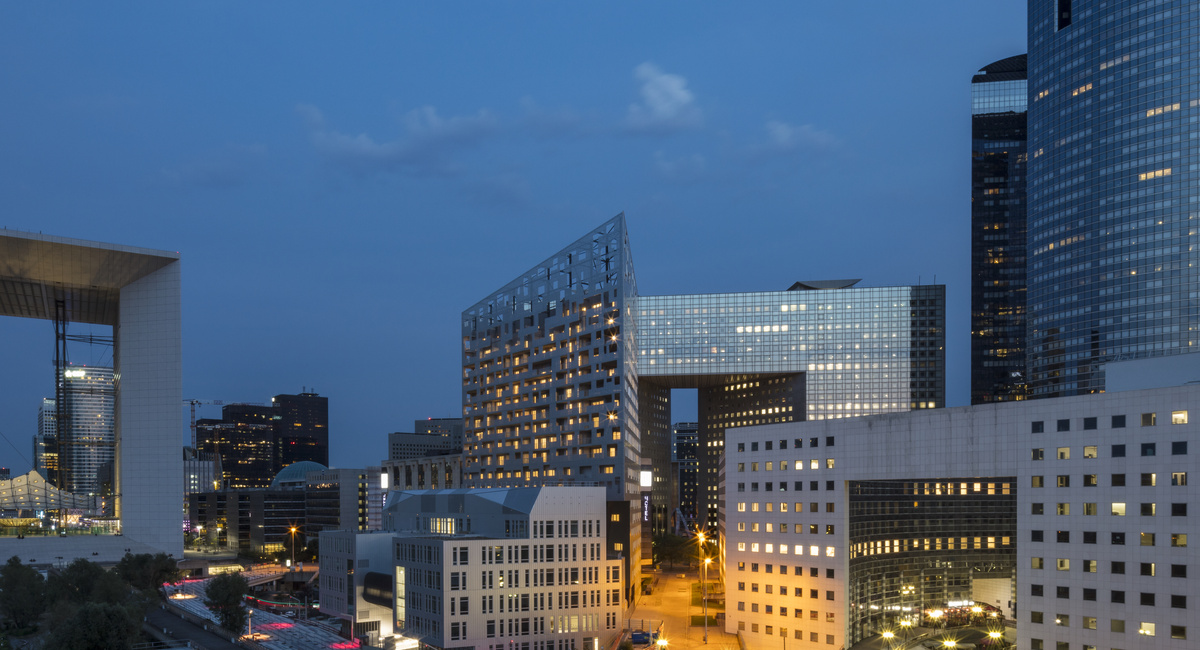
[325, 217]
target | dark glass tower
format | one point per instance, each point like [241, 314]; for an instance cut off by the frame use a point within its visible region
[1113, 187]
[998, 158]
[301, 429]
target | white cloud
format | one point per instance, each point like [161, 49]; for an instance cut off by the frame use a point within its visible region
[787, 137]
[423, 148]
[667, 104]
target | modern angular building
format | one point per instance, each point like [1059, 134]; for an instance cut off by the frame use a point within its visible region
[301, 429]
[1112, 188]
[430, 437]
[136, 291]
[568, 372]
[998, 161]
[685, 468]
[1069, 515]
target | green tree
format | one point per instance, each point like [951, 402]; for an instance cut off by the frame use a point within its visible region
[145, 571]
[83, 581]
[224, 595]
[671, 549]
[22, 593]
[96, 626]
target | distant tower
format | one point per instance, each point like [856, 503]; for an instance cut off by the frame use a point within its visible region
[89, 439]
[301, 429]
[998, 158]
[45, 442]
[1113, 188]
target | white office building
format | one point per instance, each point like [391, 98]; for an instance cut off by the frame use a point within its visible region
[1068, 515]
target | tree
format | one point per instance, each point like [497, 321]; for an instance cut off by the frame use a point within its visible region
[22, 593]
[145, 571]
[96, 626]
[83, 581]
[224, 595]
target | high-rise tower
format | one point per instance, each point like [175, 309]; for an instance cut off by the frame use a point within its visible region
[998, 160]
[87, 440]
[1113, 194]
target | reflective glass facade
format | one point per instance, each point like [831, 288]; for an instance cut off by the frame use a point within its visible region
[998, 162]
[89, 440]
[1113, 194]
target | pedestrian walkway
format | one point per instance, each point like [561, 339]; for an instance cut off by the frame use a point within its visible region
[671, 603]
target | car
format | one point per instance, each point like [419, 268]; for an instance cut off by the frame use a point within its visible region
[290, 614]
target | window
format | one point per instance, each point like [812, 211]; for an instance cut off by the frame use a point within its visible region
[1063, 537]
[1063, 564]
[1037, 427]
[1090, 509]
[741, 446]
[1148, 419]
[1089, 480]
[1178, 478]
[1117, 597]
[1064, 453]
[1064, 480]
[1148, 448]
[1090, 451]
[1089, 537]
[1116, 568]
[1118, 509]
[1117, 539]
[1038, 562]
[1062, 620]
[1089, 594]
[1035, 617]
[1089, 622]
[1147, 539]
[1038, 482]
[1089, 566]
[1118, 421]
[1179, 448]
[1179, 540]
[1178, 570]
[1037, 454]
[1178, 417]
[1089, 424]
[1037, 508]
[1149, 479]
[1118, 480]
[1178, 631]
[1118, 451]
[1146, 629]
[1036, 590]
[828, 441]
[1063, 425]
[1147, 599]
[1147, 509]
[1062, 592]
[1063, 509]
[1035, 535]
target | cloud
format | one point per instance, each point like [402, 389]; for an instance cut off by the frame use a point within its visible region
[667, 104]
[687, 168]
[230, 166]
[424, 147]
[784, 137]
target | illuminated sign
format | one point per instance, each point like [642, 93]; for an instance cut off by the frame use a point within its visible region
[74, 373]
[383, 481]
[398, 594]
[646, 507]
[647, 478]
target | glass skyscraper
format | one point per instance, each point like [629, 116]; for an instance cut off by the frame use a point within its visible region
[1113, 194]
[89, 439]
[998, 163]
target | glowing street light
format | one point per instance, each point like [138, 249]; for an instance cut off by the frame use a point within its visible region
[704, 591]
[950, 643]
[662, 643]
[889, 636]
[293, 531]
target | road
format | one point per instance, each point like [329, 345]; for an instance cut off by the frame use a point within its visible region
[671, 603]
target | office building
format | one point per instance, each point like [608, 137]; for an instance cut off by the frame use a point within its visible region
[1112, 188]
[450, 428]
[86, 438]
[685, 468]
[337, 499]
[402, 446]
[201, 471]
[248, 520]
[255, 442]
[490, 568]
[1068, 515]
[999, 96]
[301, 429]
[45, 442]
[135, 291]
[568, 372]
[244, 441]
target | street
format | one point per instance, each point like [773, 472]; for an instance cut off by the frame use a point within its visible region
[671, 602]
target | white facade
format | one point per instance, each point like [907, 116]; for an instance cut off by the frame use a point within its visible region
[1091, 492]
[354, 595]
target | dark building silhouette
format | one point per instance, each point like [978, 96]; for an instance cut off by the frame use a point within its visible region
[301, 429]
[998, 160]
[254, 442]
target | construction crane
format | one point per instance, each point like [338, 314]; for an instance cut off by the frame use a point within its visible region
[194, 402]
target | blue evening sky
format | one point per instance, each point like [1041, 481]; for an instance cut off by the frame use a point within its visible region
[342, 180]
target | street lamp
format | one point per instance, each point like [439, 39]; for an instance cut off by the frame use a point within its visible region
[293, 530]
[889, 637]
[997, 638]
[950, 643]
[704, 596]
